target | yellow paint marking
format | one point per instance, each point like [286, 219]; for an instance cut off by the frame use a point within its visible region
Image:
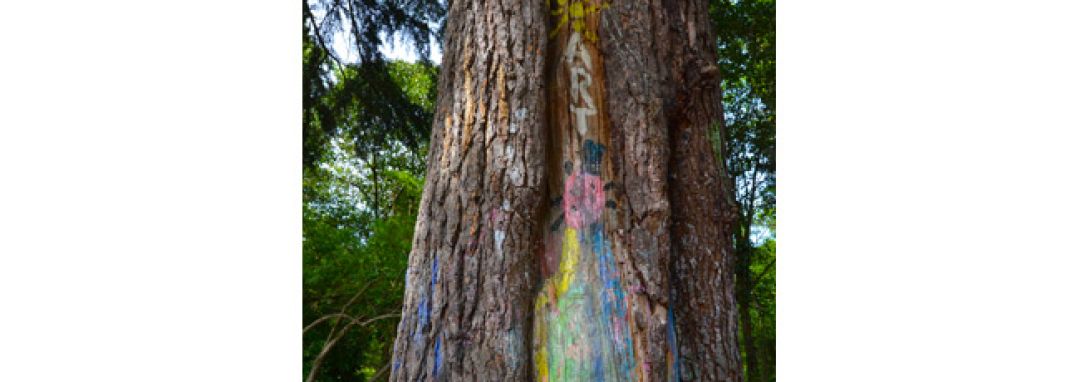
[570, 254]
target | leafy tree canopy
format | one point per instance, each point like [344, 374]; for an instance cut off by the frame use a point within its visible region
[360, 201]
[361, 97]
[366, 122]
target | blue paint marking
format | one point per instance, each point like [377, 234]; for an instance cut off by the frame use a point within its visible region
[434, 273]
[607, 280]
[423, 310]
[613, 303]
[423, 315]
[593, 153]
[672, 342]
[438, 357]
[598, 367]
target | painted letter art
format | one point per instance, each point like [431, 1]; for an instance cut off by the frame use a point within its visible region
[582, 326]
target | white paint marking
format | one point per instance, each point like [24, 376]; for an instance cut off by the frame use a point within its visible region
[574, 47]
[579, 91]
[519, 116]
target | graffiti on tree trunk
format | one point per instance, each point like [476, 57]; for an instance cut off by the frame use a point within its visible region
[582, 328]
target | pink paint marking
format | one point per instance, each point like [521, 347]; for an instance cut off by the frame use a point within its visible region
[583, 199]
[496, 216]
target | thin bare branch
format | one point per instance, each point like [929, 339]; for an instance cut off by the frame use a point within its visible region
[352, 320]
[344, 308]
[318, 35]
[761, 275]
[330, 344]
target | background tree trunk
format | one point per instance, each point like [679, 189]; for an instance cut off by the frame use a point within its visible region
[743, 289]
[573, 225]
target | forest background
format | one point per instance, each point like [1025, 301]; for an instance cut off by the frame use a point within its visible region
[366, 121]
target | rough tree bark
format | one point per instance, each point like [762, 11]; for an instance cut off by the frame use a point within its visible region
[573, 224]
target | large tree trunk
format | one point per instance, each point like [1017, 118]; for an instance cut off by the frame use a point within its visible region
[573, 225]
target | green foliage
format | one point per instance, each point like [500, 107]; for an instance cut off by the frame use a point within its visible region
[763, 307]
[378, 106]
[365, 128]
[418, 81]
[337, 267]
[350, 255]
[361, 194]
[362, 97]
[746, 32]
